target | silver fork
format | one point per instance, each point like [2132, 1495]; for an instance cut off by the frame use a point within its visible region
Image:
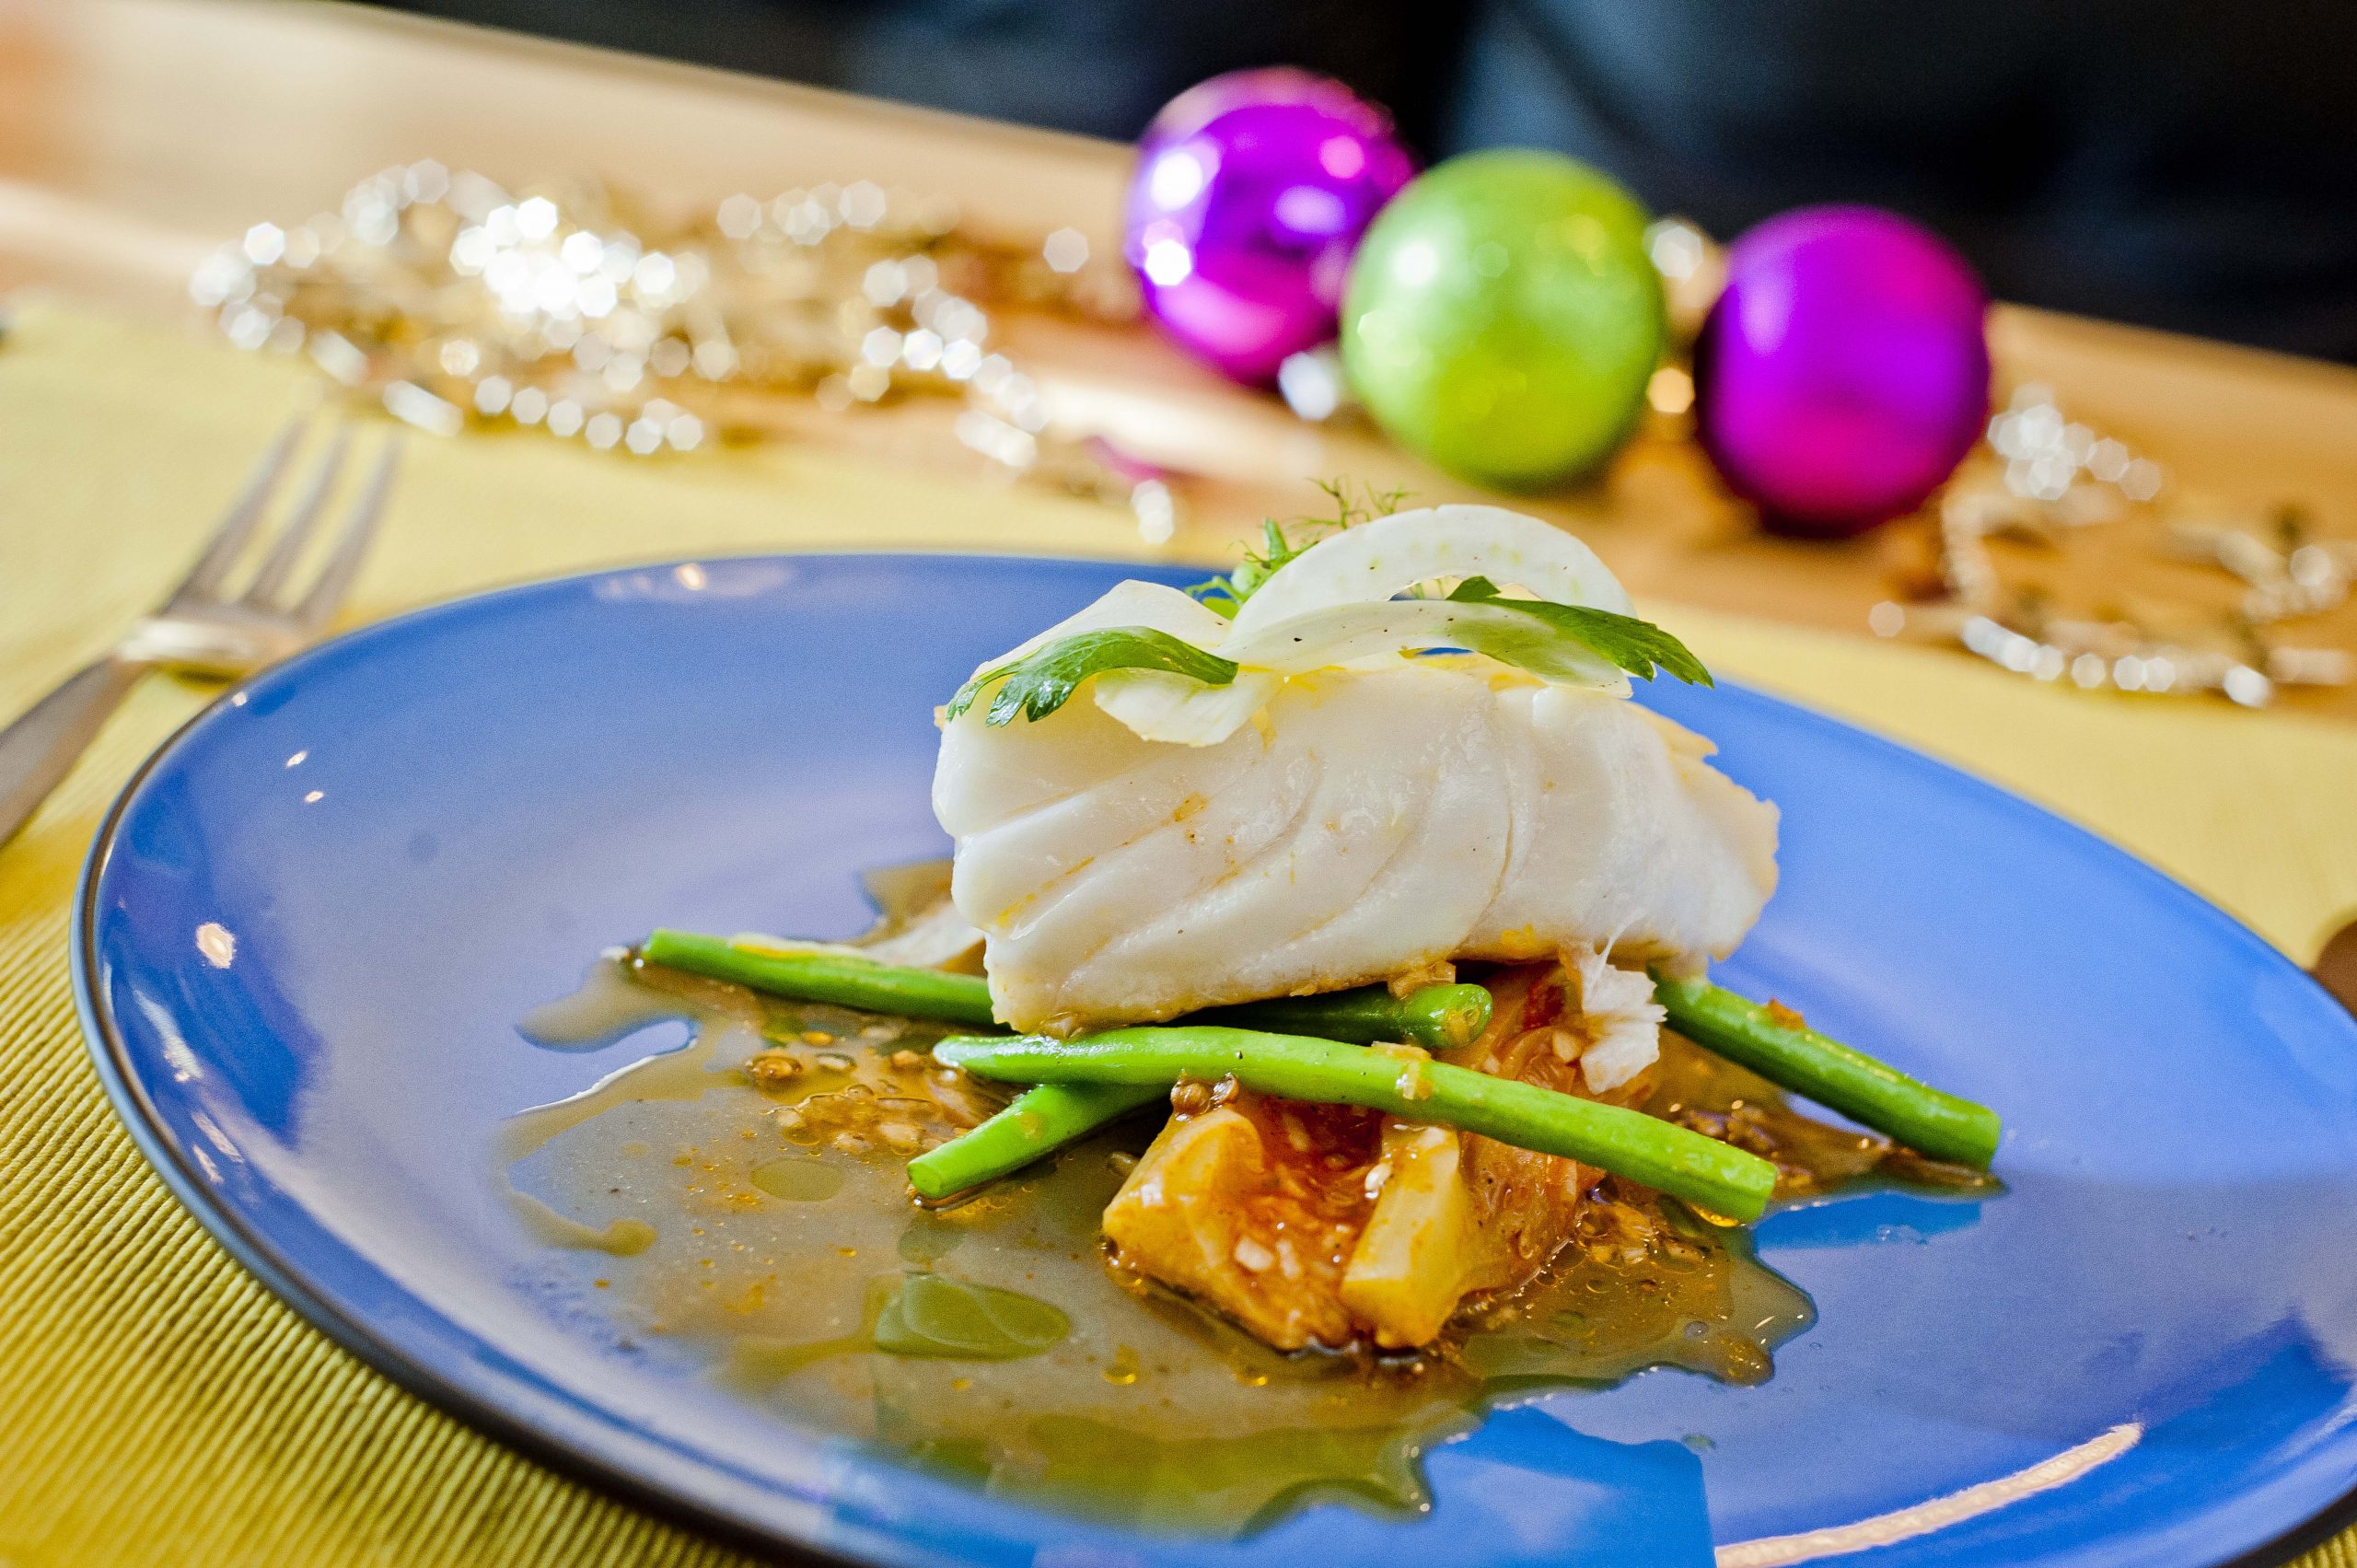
[204, 627]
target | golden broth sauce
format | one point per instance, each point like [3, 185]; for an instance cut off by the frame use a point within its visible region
[744, 1200]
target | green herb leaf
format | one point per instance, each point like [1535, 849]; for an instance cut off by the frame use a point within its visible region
[1218, 595]
[1044, 680]
[1638, 647]
[1225, 594]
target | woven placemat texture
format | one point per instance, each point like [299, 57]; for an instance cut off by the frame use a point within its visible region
[159, 1407]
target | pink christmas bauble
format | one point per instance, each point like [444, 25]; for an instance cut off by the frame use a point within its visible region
[1844, 372]
[1250, 194]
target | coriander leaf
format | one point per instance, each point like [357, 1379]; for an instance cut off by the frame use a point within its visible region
[1637, 646]
[1044, 680]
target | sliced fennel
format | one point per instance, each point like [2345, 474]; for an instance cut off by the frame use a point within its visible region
[1628, 642]
[1342, 633]
[1153, 607]
[1372, 561]
[1158, 706]
[1134, 625]
[1172, 670]
[1044, 680]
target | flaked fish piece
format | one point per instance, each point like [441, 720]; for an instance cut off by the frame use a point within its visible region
[1331, 1226]
[1368, 822]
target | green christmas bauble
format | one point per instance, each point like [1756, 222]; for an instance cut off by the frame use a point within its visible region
[1502, 318]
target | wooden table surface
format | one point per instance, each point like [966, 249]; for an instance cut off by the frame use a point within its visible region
[136, 134]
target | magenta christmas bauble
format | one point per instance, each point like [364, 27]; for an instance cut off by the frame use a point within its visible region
[1844, 372]
[1250, 194]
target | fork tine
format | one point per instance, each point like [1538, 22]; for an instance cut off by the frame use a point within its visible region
[236, 524]
[279, 565]
[359, 526]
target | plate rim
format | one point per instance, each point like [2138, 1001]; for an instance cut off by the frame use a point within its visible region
[694, 1493]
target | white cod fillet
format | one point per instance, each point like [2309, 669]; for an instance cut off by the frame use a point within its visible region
[1366, 824]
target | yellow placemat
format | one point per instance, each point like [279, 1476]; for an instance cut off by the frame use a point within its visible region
[157, 1406]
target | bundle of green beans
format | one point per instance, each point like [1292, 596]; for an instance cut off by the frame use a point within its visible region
[1668, 1158]
[1438, 1017]
[1043, 1118]
[1291, 1042]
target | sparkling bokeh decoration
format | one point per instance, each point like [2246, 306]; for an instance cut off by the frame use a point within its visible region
[1508, 329]
[1503, 318]
[578, 311]
[1843, 372]
[1251, 191]
[2046, 489]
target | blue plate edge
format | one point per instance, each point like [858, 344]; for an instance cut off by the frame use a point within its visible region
[676, 1500]
[686, 1495]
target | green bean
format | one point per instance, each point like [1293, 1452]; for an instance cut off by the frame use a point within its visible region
[1926, 1120]
[838, 978]
[1438, 1017]
[1702, 1171]
[1051, 1115]
[1041, 1119]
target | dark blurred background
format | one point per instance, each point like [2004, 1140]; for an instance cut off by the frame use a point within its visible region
[2189, 164]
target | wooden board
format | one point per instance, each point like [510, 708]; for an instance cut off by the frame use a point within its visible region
[136, 135]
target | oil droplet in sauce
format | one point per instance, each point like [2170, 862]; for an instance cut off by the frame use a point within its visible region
[798, 1179]
[934, 1315]
[989, 1339]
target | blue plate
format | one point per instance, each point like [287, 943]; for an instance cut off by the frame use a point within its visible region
[309, 929]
